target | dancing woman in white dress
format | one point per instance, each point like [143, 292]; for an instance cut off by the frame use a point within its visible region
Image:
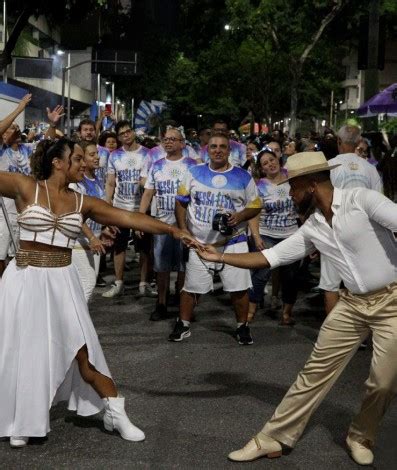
[49, 350]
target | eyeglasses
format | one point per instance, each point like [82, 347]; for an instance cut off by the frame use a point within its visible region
[122, 134]
[171, 139]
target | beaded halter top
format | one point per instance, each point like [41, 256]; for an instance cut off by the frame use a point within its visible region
[39, 224]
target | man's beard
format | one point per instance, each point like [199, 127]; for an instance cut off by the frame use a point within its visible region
[306, 207]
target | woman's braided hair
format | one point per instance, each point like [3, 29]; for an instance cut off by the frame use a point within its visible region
[46, 151]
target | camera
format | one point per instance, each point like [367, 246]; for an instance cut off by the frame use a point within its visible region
[219, 223]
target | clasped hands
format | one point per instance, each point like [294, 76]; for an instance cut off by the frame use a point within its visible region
[206, 252]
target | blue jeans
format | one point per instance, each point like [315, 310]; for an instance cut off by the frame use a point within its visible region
[167, 254]
[288, 276]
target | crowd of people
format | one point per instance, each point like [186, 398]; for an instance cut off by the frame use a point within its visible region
[206, 205]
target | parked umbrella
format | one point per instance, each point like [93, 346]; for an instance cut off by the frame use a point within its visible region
[384, 102]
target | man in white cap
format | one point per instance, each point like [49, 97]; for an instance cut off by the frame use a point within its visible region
[352, 229]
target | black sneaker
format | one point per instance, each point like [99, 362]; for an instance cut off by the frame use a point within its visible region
[180, 332]
[100, 282]
[243, 334]
[159, 313]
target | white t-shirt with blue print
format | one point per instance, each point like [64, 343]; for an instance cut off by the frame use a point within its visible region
[18, 160]
[103, 154]
[90, 187]
[157, 153]
[15, 161]
[278, 218]
[127, 166]
[165, 177]
[208, 192]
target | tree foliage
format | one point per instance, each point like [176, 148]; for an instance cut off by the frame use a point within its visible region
[275, 56]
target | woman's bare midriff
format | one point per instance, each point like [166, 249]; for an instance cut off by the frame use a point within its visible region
[35, 246]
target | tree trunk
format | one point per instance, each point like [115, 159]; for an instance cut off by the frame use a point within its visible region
[298, 67]
[294, 103]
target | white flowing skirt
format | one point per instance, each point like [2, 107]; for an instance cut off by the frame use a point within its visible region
[44, 321]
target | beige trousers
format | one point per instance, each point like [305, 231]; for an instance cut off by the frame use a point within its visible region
[351, 320]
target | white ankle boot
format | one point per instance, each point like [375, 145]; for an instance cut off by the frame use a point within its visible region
[18, 441]
[115, 418]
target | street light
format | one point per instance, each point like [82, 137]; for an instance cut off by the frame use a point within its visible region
[227, 27]
[60, 52]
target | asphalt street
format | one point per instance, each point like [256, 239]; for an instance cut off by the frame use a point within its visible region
[202, 398]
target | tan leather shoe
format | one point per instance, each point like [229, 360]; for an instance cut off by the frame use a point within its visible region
[259, 446]
[360, 451]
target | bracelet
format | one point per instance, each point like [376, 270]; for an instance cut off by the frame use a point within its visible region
[222, 260]
[91, 238]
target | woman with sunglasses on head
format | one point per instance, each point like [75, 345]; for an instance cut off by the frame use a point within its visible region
[277, 221]
[49, 350]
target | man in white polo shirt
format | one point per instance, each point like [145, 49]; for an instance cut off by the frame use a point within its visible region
[352, 229]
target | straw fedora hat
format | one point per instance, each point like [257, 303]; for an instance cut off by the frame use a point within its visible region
[306, 163]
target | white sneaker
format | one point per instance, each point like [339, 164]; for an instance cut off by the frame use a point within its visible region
[18, 441]
[114, 291]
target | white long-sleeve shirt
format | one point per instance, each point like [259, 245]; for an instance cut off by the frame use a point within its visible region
[359, 245]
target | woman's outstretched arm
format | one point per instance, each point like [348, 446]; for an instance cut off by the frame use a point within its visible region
[105, 214]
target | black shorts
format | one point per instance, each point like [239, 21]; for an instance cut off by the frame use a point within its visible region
[144, 244]
[121, 240]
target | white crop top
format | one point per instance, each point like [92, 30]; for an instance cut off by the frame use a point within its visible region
[39, 224]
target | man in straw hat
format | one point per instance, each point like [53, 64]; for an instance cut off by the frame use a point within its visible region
[352, 228]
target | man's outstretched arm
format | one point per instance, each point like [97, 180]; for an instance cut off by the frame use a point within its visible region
[291, 249]
[240, 260]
